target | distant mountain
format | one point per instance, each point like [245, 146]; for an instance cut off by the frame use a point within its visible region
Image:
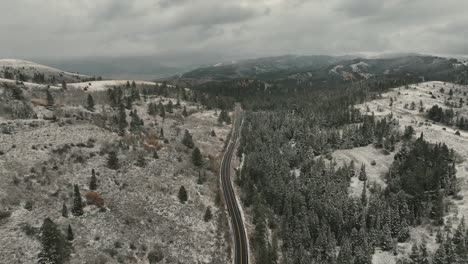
[260, 68]
[315, 69]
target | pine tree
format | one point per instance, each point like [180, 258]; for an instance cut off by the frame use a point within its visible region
[208, 215]
[155, 154]
[440, 257]
[112, 161]
[187, 140]
[212, 133]
[93, 181]
[53, 244]
[64, 85]
[345, 256]
[364, 194]
[386, 238]
[403, 233]
[90, 103]
[161, 133]
[70, 235]
[197, 158]
[415, 255]
[183, 195]
[362, 173]
[77, 209]
[424, 255]
[136, 124]
[64, 210]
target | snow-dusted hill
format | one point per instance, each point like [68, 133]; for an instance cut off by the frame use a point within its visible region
[31, 71]
[423, 96]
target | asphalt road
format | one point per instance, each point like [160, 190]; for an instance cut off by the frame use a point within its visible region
[237, 224]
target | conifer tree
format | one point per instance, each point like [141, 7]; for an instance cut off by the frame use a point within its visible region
[53, 244]
[212, 133]
[345, 255]
[161, 133]
[64, 85]
[362, 173]
[70, 235]
[136, 124]
[386, 239]
[440, 257]
[208, 215]
[155, 154]
[403, 233]
[187, 140]
[184, 112]
[64, 210]
[197, 158]
[77, 209]
[112, 161]
[182, 195]
[93, 181]
[415, 255]
[90, 103]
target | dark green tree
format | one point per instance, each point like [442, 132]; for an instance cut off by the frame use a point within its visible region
[93, 181]
[77, 209]
[64, 210]
[112, 160]
[362, 173]
[187, 139]
[182, 195]
[70, 235]
[53, 244]
[208, 215]
[197, 158]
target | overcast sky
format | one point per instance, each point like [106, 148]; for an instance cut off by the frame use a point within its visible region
[234, 29]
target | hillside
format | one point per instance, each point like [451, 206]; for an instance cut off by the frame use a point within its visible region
[400, 103]
[32, 72]
[54, 142]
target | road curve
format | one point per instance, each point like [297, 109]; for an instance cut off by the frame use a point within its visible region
[237, 224]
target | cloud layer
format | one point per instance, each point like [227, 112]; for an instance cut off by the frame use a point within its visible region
[230, 28]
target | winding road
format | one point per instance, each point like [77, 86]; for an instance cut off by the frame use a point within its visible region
[237, 225]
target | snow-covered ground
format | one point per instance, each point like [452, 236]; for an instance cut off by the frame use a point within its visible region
[426, 95]
[41, 160]
[29, 85]
[365, 155]
[94, 86]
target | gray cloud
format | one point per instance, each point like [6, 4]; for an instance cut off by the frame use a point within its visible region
[229, 29]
